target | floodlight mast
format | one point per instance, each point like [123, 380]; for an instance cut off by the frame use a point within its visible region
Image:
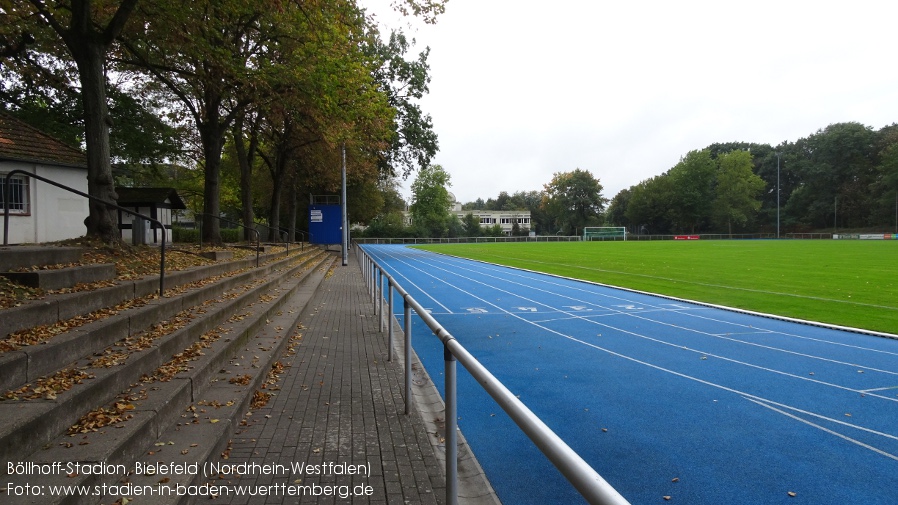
[344, 223]
[778, 195]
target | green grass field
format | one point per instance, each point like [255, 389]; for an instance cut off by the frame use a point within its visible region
[849, 283]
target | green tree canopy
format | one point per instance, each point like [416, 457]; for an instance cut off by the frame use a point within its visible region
[648, 208]
[471, 224]
[573, 200]
[737, 190]
[693, 177]
[430, 201]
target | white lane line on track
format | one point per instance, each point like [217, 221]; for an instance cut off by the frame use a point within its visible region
[760, 400]
[412, 283]
[572, 315]
[824, 429]
[693, 312]
[887, 388]
[801, 337]
[778, 349]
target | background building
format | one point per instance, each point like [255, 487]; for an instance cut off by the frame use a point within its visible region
[40, 212]
[506, 219]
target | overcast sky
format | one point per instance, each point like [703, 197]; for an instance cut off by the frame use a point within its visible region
[523, 89]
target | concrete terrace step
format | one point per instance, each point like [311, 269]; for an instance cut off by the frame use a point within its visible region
[33, 422]
[63, 277]
[33, 425]
[61, 307]
[34, 361]
[188, 418]
[13, 257]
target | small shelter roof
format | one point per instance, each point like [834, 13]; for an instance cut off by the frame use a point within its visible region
[146, 197]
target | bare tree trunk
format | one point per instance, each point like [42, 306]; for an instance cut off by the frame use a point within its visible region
[102, 220]
[246, 157]
[291, 210]
[212, 144]
[278, 170]
[88, 41]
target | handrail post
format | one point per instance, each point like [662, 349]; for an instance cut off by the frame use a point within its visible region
[376, 298]
[390, 319]
[380, 299]
[372, 288]
[6, 210]
[162, 262]
[408, 353]
[258, 244]
[451, 428]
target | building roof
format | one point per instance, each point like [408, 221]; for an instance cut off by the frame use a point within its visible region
[145, 197]
[20, 141]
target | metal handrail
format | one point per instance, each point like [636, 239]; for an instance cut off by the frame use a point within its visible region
[585, 479]
[258, 236]
[302, 244]
[89, 197]
[277, 235]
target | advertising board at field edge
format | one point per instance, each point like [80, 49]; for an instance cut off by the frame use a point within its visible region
[865, 236]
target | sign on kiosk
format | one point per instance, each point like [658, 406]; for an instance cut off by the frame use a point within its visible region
[324, 224]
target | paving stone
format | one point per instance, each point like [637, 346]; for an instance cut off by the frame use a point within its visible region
[340, 404]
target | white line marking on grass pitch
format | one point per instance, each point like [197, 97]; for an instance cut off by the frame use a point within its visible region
[721, 286]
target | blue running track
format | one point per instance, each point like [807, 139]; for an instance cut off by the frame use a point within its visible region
[670, 402]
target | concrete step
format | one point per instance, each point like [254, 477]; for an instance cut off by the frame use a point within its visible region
[28, 363]
[217, 255]
[59, 278]
[15, 256]
[60, 307]
[32, 424]
[187, 419]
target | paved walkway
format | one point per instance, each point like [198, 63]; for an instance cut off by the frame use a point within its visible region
[340, 413]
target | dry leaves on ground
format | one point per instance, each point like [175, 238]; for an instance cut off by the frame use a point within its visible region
[131, 263]
[48, 387]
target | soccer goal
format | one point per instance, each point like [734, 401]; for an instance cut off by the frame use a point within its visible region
[605, 233]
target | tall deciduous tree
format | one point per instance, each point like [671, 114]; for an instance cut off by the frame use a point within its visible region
[413, 142]
[836, 166]
[649, 205]
[430, 201]
[693, 181]
[574, 200]
[737, 191]
[88, 32]
[209, 56]
[617, 209]
[886, 185]
[471, 225]
[245, 135]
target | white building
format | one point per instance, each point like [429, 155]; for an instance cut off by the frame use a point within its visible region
[40, 212]
[506, 219]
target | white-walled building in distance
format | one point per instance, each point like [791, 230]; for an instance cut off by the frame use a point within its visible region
[506, 219]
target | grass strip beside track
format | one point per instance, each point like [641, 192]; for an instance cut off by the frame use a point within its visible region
[848, 283]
